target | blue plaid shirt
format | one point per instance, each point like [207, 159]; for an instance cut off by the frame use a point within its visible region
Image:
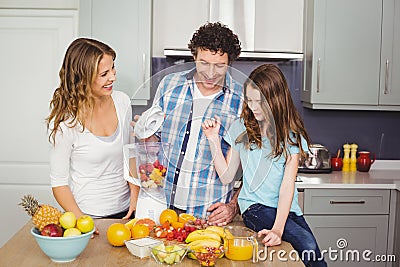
[175, 96]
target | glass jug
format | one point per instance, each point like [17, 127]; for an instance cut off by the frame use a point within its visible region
[240, 243]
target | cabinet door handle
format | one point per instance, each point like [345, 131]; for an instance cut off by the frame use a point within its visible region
[347, 202]
[386, 91]
[318, 73]
[144, 68]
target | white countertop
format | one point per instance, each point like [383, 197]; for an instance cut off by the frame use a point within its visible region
[384, 174]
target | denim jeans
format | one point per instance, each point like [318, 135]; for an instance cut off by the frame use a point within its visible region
[296, 231]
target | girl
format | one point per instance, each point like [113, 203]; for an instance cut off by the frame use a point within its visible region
[269, 157]
[89, 123]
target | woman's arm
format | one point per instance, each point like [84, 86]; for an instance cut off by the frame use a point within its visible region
[64, 197]
[134, 196]
[226, 168]
[286, 192]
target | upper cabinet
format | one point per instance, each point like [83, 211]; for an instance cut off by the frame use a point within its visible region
[351, 55]
[125, 25]
[262, 25]
[389, 93]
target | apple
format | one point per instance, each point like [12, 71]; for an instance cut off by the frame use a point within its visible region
[85, 223]
[68, 220]
[52, 230]
[72, 232]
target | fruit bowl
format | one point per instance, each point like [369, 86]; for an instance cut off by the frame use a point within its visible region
[168, 254]
[208, 257]
[62, 249]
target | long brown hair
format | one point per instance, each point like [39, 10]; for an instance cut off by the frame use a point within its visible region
[284, 125]
[73, 100]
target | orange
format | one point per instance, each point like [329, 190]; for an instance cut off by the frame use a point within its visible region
[139, 231]
[148, 222]
[177, 225]
[168, 215]
[117, 234]
[184, 217]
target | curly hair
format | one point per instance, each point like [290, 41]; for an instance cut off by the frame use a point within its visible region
[217, 38]
[280, 112]
[73, 100]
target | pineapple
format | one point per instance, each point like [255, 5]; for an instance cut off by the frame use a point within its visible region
[41, 214]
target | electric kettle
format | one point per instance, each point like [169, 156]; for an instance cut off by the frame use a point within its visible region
[318, 160]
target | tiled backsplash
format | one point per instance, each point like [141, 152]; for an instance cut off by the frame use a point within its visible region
[375, 131]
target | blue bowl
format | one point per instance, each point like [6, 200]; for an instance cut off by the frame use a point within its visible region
[62, 249]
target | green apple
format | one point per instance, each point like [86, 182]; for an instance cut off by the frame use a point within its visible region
[85, 223]
[68, 220]
[72, 232]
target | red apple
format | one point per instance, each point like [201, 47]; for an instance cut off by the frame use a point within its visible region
[52, 230]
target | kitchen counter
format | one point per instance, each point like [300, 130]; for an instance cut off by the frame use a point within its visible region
[384, 174]
[22, 250]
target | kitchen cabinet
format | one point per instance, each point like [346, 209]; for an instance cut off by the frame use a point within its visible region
[351, 57]
[389, 93]
[32, 47]
[350, 221]
[126, 27]
[262, 25]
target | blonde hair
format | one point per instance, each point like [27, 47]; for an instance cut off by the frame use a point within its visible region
[73, 100]
[280, 112]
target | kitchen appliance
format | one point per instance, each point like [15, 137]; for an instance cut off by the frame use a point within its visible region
[318, 160]
[146, 166]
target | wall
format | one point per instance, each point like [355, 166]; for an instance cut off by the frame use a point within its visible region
[375, 131]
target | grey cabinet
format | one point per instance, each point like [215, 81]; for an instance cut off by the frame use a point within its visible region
[346, 47]
[389, 93]
[126, 26]
[350, 225]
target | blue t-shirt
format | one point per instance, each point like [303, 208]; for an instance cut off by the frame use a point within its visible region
[262, 175]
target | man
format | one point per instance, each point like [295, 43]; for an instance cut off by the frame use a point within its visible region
[187, 98]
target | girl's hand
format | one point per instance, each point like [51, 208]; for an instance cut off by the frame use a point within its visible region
[211, 127]
[271, 238]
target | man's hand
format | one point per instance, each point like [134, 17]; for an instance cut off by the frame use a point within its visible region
[222, 214]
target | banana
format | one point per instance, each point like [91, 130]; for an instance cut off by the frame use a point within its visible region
[202, 234]
[216, 229]
[198, 244]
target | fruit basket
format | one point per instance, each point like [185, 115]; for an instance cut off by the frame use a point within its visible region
[62, 249]
[168, 253]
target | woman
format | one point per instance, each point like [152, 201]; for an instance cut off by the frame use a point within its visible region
[89, 123]
[267, 141]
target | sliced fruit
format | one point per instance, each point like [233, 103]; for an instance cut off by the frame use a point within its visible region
[148, 222]
[168, 215]
[185, 217]
[177, 225]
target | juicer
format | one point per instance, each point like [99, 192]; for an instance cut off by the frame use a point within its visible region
[146, 166]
